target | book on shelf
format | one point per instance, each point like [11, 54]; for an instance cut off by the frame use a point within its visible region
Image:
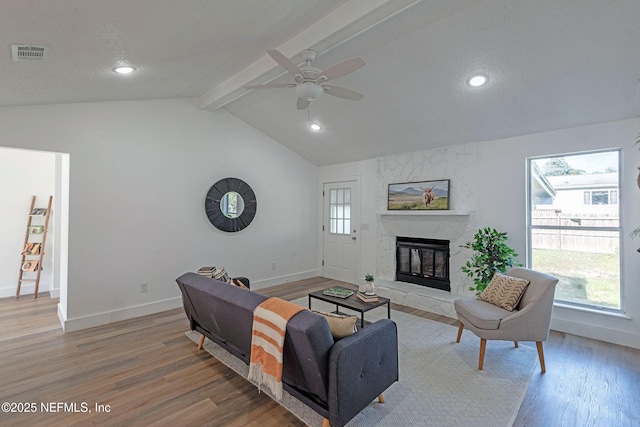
[38, 211]
[337, 292]
[31, 249]
[36, 229]
[31, 265]
[206, 271]
[367, 298]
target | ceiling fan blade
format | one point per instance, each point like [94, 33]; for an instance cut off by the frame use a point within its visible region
[271, 86]
[284, 62]
[340, 69]
[302, 104]
[341, 92]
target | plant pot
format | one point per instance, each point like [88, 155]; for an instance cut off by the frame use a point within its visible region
[369, 288]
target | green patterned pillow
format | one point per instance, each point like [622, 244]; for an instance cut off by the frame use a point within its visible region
[504, 291]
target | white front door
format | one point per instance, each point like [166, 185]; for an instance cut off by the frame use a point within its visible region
[340, 231]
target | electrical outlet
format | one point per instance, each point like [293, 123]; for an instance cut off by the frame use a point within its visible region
[273, 265]
[144, 287]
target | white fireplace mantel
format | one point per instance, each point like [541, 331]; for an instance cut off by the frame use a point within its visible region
[424, 213]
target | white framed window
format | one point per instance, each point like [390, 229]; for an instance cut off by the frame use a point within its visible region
[574, 228]
[601, 197]
[340, 211]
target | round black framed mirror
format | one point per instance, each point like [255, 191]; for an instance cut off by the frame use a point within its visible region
[230, 205]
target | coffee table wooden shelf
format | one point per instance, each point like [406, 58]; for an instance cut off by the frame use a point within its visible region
[352, 303]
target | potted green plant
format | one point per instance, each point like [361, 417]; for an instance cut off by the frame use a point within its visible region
[491, 254]
[369, 285]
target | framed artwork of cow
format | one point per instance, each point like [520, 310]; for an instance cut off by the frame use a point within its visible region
[422, 195]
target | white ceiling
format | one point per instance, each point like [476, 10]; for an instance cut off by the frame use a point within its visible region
[551, 64]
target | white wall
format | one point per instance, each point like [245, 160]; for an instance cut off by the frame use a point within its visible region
[501, 203]
[502, 166]
[23, 174]
[138, 176]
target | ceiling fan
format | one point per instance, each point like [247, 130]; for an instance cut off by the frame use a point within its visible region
[310, 82]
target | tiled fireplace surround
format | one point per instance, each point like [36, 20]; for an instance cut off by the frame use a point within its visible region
[457, 225]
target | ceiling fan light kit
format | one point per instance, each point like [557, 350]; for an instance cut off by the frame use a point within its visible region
[310, 81]
[309, 91]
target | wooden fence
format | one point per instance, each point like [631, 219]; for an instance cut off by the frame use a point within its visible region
[576, 239]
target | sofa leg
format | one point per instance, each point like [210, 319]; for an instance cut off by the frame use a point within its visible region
[483, 346]
[380, 398]
[460, 328]
[326, 423]
[515, 343]
[541, 356]
[201, 342]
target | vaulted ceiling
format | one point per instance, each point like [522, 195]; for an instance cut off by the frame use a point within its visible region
[551, 64]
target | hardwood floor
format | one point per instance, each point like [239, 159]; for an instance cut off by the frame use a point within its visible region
[150, 374]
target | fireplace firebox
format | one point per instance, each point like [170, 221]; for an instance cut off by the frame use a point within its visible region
[423, 262]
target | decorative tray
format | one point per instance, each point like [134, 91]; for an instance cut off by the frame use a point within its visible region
[337, 292]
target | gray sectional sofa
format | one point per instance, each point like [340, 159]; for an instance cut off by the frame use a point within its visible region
[337, 379]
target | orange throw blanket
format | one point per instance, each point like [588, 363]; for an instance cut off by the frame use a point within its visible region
[267, 342]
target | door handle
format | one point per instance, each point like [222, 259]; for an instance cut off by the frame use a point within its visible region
[353, 238]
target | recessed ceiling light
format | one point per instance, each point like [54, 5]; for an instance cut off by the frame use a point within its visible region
[315, 127]
[478, 80]
[124, 69]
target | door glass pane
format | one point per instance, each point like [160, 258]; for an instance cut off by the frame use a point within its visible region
[340, 211]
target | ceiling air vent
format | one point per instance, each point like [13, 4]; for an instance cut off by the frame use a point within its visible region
[29, 53]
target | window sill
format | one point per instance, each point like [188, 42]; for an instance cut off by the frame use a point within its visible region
[598, 312]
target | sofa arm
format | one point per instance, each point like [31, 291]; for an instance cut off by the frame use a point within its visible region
[361, 366]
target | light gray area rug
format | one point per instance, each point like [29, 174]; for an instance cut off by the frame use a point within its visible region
[439, 382]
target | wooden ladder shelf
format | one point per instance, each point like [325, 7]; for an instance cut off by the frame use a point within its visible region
[28, 257]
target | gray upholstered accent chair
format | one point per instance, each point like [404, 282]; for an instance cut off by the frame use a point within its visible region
[528, 322]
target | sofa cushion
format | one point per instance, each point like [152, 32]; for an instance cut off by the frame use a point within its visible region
[504, 291]
[341, 325]
[480, 313]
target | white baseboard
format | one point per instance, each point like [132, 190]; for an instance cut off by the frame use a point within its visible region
[89, 321]
[62, 317]
[84, 322]
[601, 327]
[26, 289]
[274, 281]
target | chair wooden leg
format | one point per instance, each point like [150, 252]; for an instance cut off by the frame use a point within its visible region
[460, 328]
[326, 423]
[483, 346]
[380, 398]
[201, 342]
[541, 356]
[515, 344]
